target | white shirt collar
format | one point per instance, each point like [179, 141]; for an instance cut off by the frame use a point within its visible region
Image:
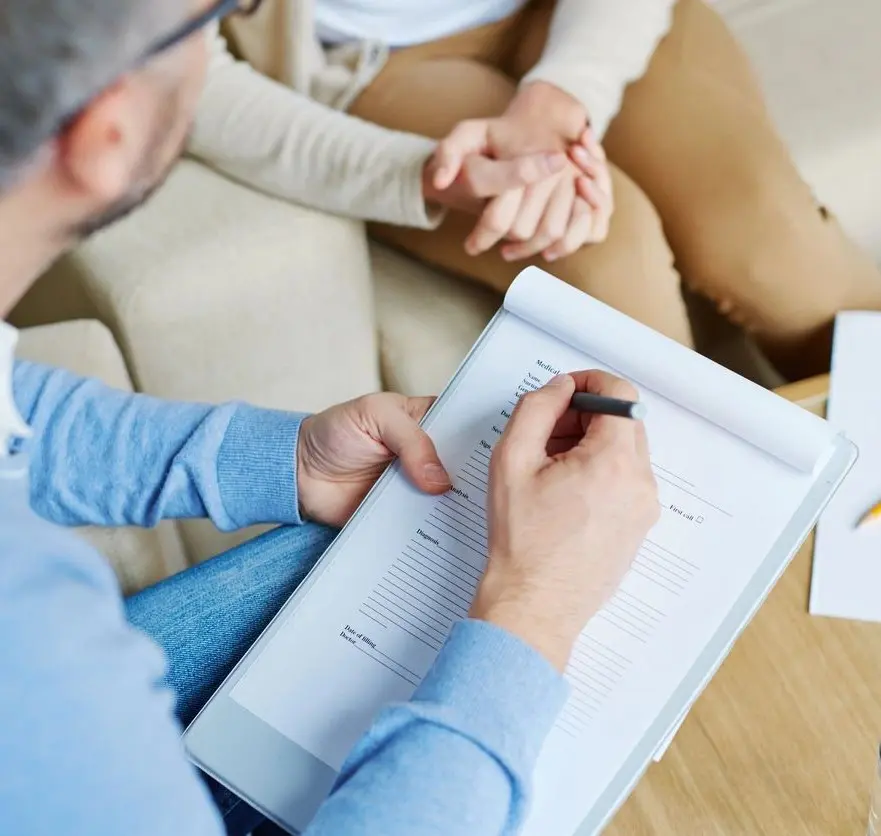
[11, 423]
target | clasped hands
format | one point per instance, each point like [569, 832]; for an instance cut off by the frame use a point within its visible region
[570, 497]
[536, 177]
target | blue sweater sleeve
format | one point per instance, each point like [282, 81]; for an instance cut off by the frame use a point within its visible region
[104, 457]
[458, 758]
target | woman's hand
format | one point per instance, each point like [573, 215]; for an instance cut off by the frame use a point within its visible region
[510, 171]
[596, 186]
[533, 219]
[463, 175]
[555, 217]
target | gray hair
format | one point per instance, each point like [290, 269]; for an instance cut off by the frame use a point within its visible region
[56, 54]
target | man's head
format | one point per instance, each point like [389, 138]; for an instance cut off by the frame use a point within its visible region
[96, 101]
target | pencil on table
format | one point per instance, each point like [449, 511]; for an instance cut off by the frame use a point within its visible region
[871, 516]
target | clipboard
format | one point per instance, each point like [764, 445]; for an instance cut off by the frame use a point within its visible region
[287, 781]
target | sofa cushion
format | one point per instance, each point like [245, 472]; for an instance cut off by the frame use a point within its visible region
[140, 557]
[427, 321]
[215, 291]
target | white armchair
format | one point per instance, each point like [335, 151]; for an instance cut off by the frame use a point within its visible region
[215, 292]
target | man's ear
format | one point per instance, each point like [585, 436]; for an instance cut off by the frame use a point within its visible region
[100, 150]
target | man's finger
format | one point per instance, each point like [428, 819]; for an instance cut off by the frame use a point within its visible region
[598, 382]
[494, 223]
[417, 407]
[605, 429]
[571, 424]
[642, 442]
[401, 433]
[532, 423]
[486, 177]
[468, 137]
[559, 446]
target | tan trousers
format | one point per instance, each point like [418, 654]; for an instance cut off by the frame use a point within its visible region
[705, 189]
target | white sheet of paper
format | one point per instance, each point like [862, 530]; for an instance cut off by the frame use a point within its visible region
[657, 363]
[846, 578]
[371, 626]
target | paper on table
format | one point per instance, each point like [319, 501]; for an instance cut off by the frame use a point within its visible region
[680, 375]
[847, 562]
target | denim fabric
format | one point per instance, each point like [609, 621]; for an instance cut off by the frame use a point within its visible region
[207, 617]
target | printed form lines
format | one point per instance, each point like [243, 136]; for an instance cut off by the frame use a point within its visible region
[390, 664]
[466, 508]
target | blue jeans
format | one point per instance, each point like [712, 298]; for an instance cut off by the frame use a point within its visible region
[207, 617]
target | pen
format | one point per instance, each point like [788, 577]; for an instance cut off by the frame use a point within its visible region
[600, 405]
[872, 515]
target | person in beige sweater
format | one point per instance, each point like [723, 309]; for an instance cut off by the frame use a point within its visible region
[703, 190]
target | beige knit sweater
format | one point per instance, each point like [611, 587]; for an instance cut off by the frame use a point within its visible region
[302, 146]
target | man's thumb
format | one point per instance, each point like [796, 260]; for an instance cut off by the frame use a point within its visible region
[530, 427]
[416, 451]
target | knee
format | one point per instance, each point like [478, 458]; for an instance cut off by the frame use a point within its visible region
[635, 253]
[775, 262]
[632, 270]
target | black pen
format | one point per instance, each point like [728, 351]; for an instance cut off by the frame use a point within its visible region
[600, 405]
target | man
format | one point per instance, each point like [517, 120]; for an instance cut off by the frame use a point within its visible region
[95, 103]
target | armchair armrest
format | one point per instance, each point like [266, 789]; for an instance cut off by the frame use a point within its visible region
[217, 292]
[214, 291]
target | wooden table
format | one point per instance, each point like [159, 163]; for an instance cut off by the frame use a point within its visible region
[783, 741]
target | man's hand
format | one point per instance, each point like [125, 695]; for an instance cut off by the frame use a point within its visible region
[344, 450]
[571, 498]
